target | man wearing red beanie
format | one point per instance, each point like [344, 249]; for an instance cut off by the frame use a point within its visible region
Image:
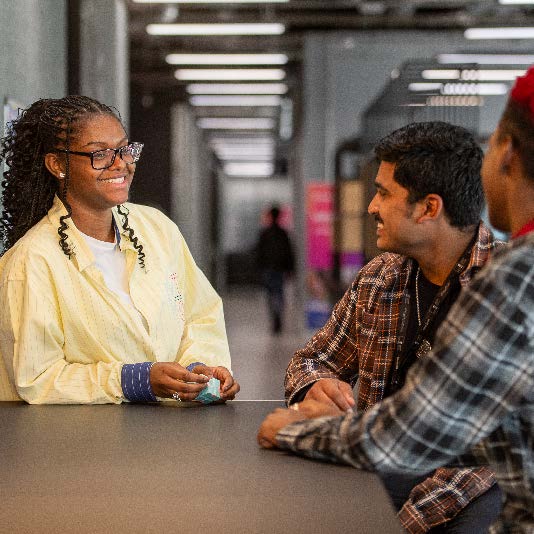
[471, 400]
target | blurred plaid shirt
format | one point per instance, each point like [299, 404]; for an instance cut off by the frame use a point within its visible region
[476, 387]
[364, 339]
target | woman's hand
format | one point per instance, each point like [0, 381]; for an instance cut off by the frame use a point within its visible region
[169, 378]
[229, 387]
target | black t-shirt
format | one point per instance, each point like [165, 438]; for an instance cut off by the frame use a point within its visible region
[427, 294]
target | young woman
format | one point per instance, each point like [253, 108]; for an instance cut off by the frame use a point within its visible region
[101, 299]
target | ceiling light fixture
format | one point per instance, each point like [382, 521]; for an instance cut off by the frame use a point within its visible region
[499, 33]
[211, 1]
[461, 88]
[492, 74]
[260, 168]
[441, 74]
[216, 29]
[473, 74]
[242, 141]
[244, 157]
[233, 123]
[234, 100]
[236, 88]
[486, 89]
[230, 74]
[226, 59]
[516, 2]
[425, 86]
[246, 151]
[488, 59]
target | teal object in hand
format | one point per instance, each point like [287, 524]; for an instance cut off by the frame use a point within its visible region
[211, 393]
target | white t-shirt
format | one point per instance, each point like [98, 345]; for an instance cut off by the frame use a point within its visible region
[112, 263]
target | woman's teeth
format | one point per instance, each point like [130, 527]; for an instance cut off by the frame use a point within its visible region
[119, 180]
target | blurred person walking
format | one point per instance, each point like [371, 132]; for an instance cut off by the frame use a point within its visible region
[275, 260]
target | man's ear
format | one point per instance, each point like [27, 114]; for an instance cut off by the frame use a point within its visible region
[55, 165]
[430, 207]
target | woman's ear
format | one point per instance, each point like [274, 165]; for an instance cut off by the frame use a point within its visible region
[55, 165]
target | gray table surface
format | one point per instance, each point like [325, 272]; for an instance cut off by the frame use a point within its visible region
[165, 469]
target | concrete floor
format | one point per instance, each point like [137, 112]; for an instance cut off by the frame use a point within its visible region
[259, 358]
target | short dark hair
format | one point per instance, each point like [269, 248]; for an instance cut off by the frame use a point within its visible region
[440, 158]
[518, 123]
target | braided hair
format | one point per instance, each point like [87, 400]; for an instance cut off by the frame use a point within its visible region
[28, 186]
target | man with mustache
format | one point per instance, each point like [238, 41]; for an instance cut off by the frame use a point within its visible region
[427, 206]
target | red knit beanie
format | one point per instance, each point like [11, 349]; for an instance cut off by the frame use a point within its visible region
[523, 91]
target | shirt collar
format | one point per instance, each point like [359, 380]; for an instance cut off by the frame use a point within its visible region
[82, 254]
[529, 227]
[482, 248]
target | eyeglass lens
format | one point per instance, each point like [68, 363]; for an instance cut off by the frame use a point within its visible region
[105, 158]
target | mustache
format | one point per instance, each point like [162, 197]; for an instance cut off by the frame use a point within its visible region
[378, 219]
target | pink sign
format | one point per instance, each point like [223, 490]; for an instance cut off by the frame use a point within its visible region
[320, 225]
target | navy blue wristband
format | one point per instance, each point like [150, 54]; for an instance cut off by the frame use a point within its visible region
[135, 382]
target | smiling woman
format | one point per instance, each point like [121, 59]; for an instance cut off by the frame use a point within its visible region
[115, 308]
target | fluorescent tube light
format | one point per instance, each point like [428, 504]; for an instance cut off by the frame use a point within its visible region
[516, 2]
[491, 74]
[241, 141]
[216, 29]
[232, 123]
[230, 74]
[236, 88]
[440, 74]
[488, 59]
[461, 88]
[499, 33]
[485, 89]
[424, 86]
[210, 1]
[260, 168]
[234, 100]
[226, 59]
[244, 157]
[246, 151]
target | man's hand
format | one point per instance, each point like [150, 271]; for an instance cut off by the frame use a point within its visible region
[229, 387]
[311, 409]
[273, 423]
[332, 391]
[171, 377]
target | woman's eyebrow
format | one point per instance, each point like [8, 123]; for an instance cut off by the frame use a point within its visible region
[103, 143]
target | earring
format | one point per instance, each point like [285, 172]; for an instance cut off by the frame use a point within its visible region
[62, 175]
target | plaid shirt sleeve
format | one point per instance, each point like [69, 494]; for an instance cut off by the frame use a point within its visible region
[359, 338]
[442, 496]
[331, 352]
[474, 386]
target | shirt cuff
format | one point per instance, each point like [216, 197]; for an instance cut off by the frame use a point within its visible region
[135, 382]
[191, 366]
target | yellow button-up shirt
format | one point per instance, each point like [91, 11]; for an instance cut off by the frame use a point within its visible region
[64, 335]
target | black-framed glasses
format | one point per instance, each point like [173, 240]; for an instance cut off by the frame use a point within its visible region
[102, 159]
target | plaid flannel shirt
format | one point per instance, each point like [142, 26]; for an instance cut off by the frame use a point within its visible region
[363, 338]
[474, 392]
